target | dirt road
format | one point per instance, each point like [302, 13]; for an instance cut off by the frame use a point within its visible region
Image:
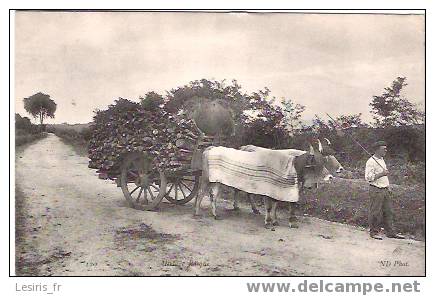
[76, 224]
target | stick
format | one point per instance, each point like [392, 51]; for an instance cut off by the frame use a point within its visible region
[365, 150]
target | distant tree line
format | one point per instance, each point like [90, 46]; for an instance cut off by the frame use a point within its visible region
[262, 120]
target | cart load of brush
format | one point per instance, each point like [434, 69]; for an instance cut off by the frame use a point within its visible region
[127, 127]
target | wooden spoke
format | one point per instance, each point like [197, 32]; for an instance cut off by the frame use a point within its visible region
[140, 193]
[155, 187]
[170, 189]
[134, 190]
[181, 189]
[133, 168]
[149, 190]
[190, 190]
[181, 183]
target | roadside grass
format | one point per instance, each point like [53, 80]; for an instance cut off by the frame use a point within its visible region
[79, 145]
[23, 266]
[347, 200]
[23, 137]
[74, 135]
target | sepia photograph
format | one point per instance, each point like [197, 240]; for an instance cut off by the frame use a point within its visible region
[218, 143]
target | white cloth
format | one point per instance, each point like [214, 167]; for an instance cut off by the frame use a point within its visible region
[375, 166]
[265, 172]
[286, 152]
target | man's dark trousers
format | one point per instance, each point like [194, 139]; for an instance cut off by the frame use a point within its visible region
[380, 212]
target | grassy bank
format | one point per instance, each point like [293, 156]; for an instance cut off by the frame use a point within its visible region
[23, 137]
[79, 145]
[347, 200]
[23, 249]
[75, 135]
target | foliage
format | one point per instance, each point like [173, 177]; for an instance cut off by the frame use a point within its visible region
[78, 140]
[151, 101]
[266, 127]
[25, 131]
[292, 115]
[188, 96]
[40, 106]
[348, 121]
[392, 109]
[256, 119]
[23, 123]
[26, 138]
[408, 141]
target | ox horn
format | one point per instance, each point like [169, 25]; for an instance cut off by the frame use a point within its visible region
[320, 146]
[327, 141]
[311, 150]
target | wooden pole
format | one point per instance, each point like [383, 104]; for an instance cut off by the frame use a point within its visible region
[350, 136]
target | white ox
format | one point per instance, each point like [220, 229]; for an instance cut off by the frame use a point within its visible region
[309, 166]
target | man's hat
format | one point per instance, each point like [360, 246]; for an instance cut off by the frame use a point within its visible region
[378, 144]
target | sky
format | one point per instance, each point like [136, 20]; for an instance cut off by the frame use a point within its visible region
[327, 62]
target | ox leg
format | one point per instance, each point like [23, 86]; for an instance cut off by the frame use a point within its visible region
[268, 207]
[274, 218]
[198, 204]
[235, 193]
[214, 194]
[204, 187]
[292, 221]
[252, 202]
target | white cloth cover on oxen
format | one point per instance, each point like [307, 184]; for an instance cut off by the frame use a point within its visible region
[264, 171]
[287, 152]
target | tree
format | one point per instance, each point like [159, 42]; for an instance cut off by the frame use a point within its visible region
[319, 124]
[22, 122]
[392, 109]
[189, 97]
[151, 100]
[265, 127]
[292, 115]
[257, 119]
[40, 106]
[349, 121]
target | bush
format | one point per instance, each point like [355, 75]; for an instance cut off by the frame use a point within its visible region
[24, 123]
[22, 137]
[86, 134]
[406, 145]
[25, 131]
[406, 141]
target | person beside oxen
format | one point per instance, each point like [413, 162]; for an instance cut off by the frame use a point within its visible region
[380, 211]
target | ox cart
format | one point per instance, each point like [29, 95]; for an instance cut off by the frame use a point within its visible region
[153, 153]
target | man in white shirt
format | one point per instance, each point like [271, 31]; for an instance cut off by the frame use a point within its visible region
[380, 212]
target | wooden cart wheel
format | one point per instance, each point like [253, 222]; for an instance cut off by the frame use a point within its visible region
[181, 189]
[143, 185]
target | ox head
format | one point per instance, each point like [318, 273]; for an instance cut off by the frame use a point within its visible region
[331, 164]
[316, 165]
